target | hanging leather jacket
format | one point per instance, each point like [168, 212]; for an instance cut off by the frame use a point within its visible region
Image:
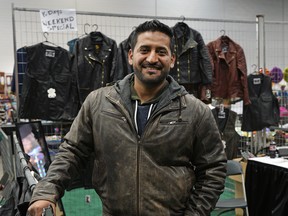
[229, 70]
[192, 67]
[94, 62]
[123, 67]
[264, 108]
[46, 83]
[226, 125]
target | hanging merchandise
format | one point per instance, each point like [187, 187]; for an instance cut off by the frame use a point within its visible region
[229, 70]
[276, 74]
[226, 120]
[71, 44]
[21, 66]
[94, 62]
[46, 83]
[192, 66]
[264, 108]
[267, 72]
[285, 74]
[123, 67]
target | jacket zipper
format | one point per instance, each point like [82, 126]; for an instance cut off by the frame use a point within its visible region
[137, 153]
[156, 113]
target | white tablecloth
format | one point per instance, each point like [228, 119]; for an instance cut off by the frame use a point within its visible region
[281, 162]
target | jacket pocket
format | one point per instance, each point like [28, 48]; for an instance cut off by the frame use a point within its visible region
[114, 115]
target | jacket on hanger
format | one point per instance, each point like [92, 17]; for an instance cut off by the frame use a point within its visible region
[229, 70]
[46, 83]
[123, 67]
[94, 63]
[193, 66]
[226, 125]
[264, 108]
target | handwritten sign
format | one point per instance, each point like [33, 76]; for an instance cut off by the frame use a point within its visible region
[58, 20]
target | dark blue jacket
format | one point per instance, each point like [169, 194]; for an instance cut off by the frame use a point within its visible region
[193, 66]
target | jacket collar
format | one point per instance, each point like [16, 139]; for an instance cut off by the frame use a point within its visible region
[183, 32]
[101, 42]
[230, 54]
[173, 91]
[127, 42]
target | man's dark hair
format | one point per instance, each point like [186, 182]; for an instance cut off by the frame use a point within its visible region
[152, 26]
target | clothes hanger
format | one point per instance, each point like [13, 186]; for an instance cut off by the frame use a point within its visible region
[255, 69]
[96, 36]
[224, 41]
[182, 25]
[85, 30]
[224, 37]
[183, 18]
[223, 32]
[45, 35]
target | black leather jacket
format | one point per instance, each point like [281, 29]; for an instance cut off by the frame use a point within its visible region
[177, 166]
[46, 83]
[123, 67]
[264, 108]
[226, 124]
[94, 62]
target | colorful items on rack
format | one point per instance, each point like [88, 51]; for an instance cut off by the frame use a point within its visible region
[276, 74]
[285, 74]
[283, 111]
[267, 72]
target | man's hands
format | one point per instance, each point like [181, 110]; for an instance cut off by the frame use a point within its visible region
[37, 207]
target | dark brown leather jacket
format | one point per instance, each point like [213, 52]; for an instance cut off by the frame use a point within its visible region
[229, 70]
[177, 166]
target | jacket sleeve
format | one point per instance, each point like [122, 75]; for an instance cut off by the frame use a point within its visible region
[242, 68]
[113, 72]
[204, 60]
[73, 154]
[209, 161]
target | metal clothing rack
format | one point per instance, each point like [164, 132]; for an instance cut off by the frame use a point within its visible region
[250, 34]
[27, 29]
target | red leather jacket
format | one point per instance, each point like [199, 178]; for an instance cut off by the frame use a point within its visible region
[229, 70]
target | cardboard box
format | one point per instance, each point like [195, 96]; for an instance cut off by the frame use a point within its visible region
[238, 184]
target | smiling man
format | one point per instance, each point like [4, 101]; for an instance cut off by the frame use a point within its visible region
[157, 148]
[151, 60]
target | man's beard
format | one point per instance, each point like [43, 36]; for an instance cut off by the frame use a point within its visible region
[153, 81]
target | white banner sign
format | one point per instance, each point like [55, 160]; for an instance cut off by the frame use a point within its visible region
[58, 20]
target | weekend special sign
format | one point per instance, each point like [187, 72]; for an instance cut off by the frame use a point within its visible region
[58, 20]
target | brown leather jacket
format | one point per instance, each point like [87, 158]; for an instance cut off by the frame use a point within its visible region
[177, 166]
[229, 70]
